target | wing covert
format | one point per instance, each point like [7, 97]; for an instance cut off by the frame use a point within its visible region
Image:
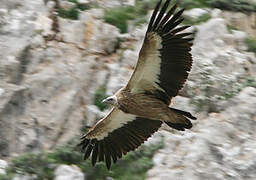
[115, 135]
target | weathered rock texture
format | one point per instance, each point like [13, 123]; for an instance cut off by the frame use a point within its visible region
[51, 68]
[65, 172]
[221, 146]
[221, 65]
[46, 84]
[244, 22]
[3, 166]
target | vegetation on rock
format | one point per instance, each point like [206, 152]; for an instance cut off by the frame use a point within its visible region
[190, 4]
[120, 16]
[251, 44]
[99, 96]
[250, 82]
[232, 5]
[133, 166]
[72, 13]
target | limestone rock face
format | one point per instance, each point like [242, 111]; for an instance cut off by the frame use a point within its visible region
[11, 105]
[68, 5]
[115, 3]
[220, 146]
[244, 22]
[46, 84]
[24, 177]
[221, 65]
[3, 166]
[195, 13]
[90, 33]
[52, 68]
[65, 172]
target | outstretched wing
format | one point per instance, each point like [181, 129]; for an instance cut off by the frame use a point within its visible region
[164, 60]
[115, 135]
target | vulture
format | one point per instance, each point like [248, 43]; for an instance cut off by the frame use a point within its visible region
[142, 106]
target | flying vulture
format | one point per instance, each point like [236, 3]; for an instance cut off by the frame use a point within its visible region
[142, 106]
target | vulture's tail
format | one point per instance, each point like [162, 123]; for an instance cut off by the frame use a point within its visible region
[180, 119]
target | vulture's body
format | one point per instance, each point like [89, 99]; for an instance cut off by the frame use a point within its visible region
[142, 105]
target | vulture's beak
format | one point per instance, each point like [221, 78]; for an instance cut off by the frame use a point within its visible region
[104, 101]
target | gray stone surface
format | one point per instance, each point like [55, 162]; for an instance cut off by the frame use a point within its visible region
[83, 2]
[65, 172]
[3, 166]
[221, 65]
[241, 21]
[221, 146]
[46, 85]
[195, 13]
[47, 89]
[24, 177]
[90, 33]
[67, 4]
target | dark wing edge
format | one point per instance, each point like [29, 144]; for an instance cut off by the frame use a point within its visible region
[120, 141]
[176, 59]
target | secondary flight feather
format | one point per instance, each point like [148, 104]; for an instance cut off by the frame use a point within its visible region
[142, 106]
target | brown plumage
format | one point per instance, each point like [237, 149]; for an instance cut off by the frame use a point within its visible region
[142, 105]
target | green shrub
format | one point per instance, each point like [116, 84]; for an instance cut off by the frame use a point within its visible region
[6, 176]
[100, 94]
[190, 4]
[250, 82]
[31, 164]
[68, 154]
[231, 28]
[72, 13]
[251, 44]
[120, 16]
[133, 166]
[234, 5]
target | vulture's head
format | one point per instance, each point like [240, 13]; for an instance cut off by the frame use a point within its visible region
[110, 100]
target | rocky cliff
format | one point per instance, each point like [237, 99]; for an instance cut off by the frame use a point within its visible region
[54, 70]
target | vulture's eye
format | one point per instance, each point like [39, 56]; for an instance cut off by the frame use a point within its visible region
[110, 99]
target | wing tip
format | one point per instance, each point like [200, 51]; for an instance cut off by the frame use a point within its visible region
[153, 16]
[119, 142]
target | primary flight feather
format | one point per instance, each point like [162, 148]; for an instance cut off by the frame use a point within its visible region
[140, 108]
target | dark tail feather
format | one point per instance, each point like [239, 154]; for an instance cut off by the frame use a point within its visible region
[180, 120]
[184, 113]
[181, 126]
